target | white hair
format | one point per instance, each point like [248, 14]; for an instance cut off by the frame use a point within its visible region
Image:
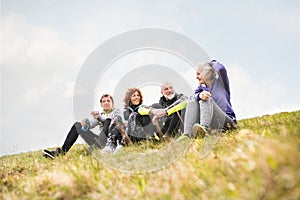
[164, 84]
[207, 71]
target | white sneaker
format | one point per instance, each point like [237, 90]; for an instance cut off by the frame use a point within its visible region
[118, 148]
[108, 149]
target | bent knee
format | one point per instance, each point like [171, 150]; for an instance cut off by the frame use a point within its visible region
[77, 125]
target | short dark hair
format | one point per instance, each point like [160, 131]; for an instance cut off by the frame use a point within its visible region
[107, 95]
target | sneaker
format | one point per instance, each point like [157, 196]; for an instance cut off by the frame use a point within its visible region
[199, 131]
[52, 154]
[109, 147]
[182, 137]
[118, 148]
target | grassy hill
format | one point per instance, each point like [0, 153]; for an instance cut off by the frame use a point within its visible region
[260, 160]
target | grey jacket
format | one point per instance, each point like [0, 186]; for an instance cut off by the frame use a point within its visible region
[103, 115]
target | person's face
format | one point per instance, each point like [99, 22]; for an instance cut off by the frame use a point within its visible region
[200, 77]
[106, 103]
[168, 91]
[135, 98]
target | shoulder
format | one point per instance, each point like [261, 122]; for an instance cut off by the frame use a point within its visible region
[116, 111]
[180, 96]
[162, 99]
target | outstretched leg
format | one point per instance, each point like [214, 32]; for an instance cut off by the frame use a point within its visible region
[71, 138]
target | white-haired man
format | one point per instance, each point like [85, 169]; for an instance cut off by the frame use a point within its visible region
[172, 108]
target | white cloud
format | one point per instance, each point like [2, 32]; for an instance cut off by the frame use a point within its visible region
[32, 95]
[251, 97]
[69, 89]
[36, 66]
[25, 45]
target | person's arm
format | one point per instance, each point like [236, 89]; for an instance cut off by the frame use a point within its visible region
[94, 123]
[159, 113]
[114, 113]
[98, 120]
[181, 98]
[117, 112]
[126, 114]
[222, 73]
[176, 108]
[144, 110]
[197, 92]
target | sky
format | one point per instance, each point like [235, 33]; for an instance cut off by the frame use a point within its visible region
[44, 45]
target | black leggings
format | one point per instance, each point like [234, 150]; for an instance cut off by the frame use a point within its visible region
[88, 136]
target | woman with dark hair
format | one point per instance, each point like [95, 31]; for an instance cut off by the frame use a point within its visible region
[136, 115]
[107, 120]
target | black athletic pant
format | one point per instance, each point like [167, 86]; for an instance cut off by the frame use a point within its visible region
[88, 136]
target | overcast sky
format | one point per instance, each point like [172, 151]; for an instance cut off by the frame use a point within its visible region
[45, 43]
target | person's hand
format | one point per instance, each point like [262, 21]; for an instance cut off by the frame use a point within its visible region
[95, 114]
[155, 120]
[83, 122]
[204, 95]
[158, 113]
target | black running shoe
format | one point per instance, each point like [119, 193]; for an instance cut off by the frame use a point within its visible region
[52, 154]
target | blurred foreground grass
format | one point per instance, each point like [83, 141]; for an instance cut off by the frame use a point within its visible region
[260, 160]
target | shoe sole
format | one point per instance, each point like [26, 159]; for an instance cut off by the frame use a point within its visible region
[48, 154]
[198, 131]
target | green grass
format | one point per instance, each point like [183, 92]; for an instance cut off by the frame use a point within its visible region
[260, 160]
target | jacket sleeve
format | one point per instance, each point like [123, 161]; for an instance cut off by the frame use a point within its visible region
[177, 107]
[126, 114]
[222, 73]
[180, 98]
[114, 113]
[197, 92]
[93, 123]
[144, 110]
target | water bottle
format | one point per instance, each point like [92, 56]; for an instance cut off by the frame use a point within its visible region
[86, 126]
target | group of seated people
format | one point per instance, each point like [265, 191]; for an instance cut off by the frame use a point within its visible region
[174, 116]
